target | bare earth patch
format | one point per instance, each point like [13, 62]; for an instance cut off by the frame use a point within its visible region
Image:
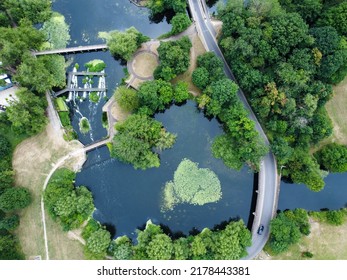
[118, 113]
[144, 64]
[32, 161]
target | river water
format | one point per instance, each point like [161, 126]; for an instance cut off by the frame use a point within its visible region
[126, 198]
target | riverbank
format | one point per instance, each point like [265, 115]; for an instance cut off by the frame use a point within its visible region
[325, 242]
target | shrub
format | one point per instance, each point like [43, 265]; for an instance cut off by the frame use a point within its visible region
[84, 125]
[14, 199]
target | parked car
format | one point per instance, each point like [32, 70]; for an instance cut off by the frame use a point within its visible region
[260, 229]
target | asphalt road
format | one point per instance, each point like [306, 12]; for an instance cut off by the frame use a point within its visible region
[268, 188]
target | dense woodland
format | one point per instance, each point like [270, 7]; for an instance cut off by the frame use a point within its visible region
[26, 116]
[286, 55]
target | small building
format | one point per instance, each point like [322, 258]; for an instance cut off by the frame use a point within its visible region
[5, 82]
[7, 92]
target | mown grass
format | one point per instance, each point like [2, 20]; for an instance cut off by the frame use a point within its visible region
[32, 161]
[336, 108]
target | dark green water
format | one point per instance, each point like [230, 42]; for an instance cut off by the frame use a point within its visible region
[126, 198]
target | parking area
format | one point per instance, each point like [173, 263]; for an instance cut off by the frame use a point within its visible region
[7, 95]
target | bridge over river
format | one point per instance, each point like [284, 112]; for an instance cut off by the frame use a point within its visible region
[268, 187]
[72, 50]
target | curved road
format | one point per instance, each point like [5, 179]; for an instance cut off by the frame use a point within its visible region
[268, 179]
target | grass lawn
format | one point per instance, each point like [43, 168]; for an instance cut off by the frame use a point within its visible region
[325, 242]
[337, 111]
[32, 161]
[62, 107]
[336, 108]
[144, 64]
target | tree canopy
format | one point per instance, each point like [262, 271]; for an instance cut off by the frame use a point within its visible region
[174, 58]
[124, 44]
[285, 59]
[136, 138]
[333, 157]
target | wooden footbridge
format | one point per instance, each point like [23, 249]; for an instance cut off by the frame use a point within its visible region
[78, 89]
[91, 48]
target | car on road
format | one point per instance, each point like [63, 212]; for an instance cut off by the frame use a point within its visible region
[260, 229]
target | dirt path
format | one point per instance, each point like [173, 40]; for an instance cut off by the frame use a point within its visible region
[33, 160]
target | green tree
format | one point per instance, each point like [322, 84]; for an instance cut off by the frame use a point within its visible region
[56, 31]
[6, 180]
[27, 114]
[144, 237]
[136, 137]
[231, 243]
[127, 98]
[223, 92]
[181, 249]
[288, 31]
[327, 40]
[180, 22]
[173, 55]
[9, 223]
[10, 248]
[200, 77]
[336, 16]
[160, 248]
[124, 44]
[36, 11]
[157, 7]
[5, 147]
[148, 96]
[284, 232]
[333, 157]
[181, 92]
[309, 10]
[97, 244]
[335, 217]
[121, 248]
[213, 64]
[15, 42]
[14, 199]
[304, 169]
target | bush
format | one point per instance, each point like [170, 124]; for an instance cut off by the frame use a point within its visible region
[307, 255]
[200, 77]
[335, 217]
[15, 198]
[84, 125]
[94, 97]
[104, 120]
[95, 65]
[70, 205]
[64, 118]
[5, 147]
[180, 22]
[333, 157]
[126, 98]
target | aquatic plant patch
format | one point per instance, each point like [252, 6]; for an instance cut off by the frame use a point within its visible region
[191, 184]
